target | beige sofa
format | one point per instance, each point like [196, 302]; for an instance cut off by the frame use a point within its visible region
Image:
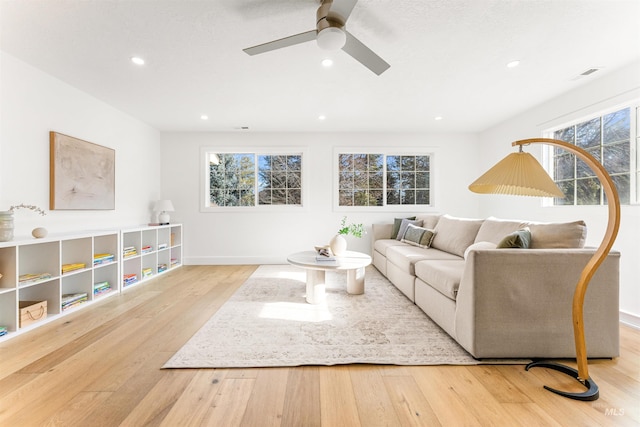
[507, 302]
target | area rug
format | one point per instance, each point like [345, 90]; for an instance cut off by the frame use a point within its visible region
[267, 323]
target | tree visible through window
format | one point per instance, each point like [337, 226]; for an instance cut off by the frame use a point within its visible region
[236, 178]
[608, 140]
[378, 179]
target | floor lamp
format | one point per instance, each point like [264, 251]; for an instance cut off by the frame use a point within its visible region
[521, 174]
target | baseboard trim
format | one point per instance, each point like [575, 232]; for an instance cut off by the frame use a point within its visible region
[630, 319]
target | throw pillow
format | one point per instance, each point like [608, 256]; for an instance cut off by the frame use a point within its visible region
[396, 226]
[418, 236]
[520, 239]
[404, 224]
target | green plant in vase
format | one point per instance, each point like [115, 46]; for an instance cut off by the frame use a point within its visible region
[338, 244]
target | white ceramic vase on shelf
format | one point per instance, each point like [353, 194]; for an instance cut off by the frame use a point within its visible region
[338, 245]
[6, 226]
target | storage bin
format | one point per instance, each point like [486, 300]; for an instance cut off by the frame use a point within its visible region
[32, 312]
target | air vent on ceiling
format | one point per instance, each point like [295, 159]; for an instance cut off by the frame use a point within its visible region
[587, 72]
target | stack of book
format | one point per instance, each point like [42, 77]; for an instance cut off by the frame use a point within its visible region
[147, 272]
[3, 330]
[129, 251]
[174, 262]
[146, 249]
[72, 300]
[162, 267]
[162, 246]
[32, 278]
[73, 266]
[101, 288]
[102, 259]
[129, 279]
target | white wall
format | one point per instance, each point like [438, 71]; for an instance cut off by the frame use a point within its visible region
[607, 92]
[268, 236]
[34, 103]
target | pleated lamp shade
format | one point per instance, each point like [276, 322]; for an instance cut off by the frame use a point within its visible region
[518, 174]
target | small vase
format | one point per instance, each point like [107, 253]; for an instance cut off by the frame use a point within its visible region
[6, 226]
[338, 245]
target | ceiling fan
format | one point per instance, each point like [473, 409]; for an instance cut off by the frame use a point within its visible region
[330, 34]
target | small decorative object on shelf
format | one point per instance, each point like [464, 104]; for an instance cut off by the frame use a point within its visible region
[39, 232]
[6, 221]
[30, 207]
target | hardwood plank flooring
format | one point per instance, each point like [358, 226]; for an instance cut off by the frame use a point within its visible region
[100, 366]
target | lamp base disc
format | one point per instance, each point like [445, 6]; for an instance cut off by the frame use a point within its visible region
[592, 392]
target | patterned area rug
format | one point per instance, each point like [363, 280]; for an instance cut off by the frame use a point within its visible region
[268, 323]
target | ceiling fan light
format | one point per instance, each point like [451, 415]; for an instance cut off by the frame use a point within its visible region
[331, 38]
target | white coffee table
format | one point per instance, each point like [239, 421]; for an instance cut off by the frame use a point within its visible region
[353, 262]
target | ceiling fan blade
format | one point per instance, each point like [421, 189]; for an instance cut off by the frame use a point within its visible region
[280, 43]
[364, 55]
[343, 8]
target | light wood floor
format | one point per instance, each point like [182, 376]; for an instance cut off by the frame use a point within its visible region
[100, 366]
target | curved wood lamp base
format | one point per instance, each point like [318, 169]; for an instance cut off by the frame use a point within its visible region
[592, 392]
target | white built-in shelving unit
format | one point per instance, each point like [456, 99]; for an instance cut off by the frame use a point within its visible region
[150, 251]
[46, 258]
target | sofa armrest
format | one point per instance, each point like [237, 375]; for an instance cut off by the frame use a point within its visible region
[519, 302]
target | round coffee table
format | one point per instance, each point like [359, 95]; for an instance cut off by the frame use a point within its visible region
[353, 262]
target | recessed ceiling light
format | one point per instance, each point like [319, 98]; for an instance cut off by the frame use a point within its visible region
[137, 60]
[204, 117]
[327, 63]
[437, 118]
[513, 64]
[322, 117]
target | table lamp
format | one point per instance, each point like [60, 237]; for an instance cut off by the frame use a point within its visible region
[164, 206]
[521, 174]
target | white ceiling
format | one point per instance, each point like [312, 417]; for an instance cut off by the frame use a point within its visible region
[448, 58]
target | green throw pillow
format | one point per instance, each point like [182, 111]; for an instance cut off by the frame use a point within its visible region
[396, 226]
[520, 239]
[418, 236]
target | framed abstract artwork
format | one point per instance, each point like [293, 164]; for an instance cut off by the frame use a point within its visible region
[82, 174]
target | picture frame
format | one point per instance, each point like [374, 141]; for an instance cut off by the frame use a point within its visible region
[81, 174]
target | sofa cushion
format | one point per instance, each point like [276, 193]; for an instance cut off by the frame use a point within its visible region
[558, 235]
[455, 235]
[404, 224]
[494, 229]
[405, 256]
[429, 221]
[444, 276]
[396, 226]
[382, 245]
[519, 239]
[418, 236]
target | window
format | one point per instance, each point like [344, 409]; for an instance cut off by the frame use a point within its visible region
[378, 179]
[608, 139]
[252, 179]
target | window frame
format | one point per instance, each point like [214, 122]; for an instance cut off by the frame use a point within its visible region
[401, 151]
[205, 153]
[634, 149]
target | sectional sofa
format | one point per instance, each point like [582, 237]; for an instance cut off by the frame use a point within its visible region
[502, 288]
